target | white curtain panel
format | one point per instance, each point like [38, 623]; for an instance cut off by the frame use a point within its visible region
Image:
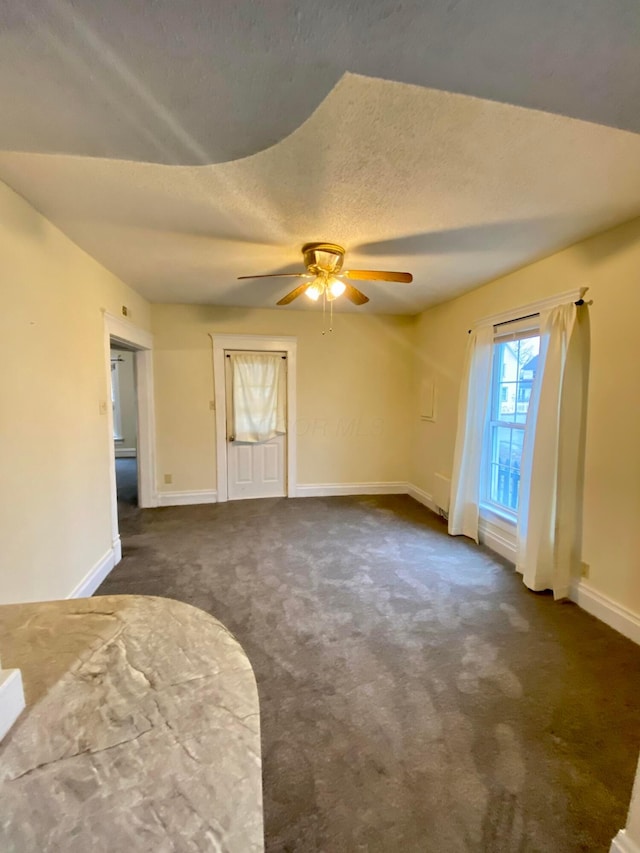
[472, 419]
[549, 497]
[259, 394]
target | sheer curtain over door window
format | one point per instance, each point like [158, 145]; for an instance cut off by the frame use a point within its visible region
[256, 405]
[258, 396]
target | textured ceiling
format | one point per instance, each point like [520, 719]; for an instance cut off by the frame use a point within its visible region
[118, 110]
[200, 81]
[452, 188]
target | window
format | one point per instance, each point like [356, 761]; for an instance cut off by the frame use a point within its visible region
[258, 383]
[115, 398]
[514, 368]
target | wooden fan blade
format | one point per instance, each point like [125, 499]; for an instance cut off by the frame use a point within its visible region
[378, 275]
[354, 295]
[278, 275]
[293, 294]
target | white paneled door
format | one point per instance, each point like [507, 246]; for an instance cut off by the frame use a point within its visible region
[255, 469]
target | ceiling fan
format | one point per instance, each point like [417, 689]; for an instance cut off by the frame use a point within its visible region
[323, 262]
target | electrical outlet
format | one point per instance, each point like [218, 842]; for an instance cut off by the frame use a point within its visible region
[584, 569]
[125, 311]
[168, 479]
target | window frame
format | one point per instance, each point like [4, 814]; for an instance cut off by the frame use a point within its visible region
[115, 400]
[523, 330]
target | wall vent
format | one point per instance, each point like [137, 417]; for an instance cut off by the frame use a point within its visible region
[441, 492]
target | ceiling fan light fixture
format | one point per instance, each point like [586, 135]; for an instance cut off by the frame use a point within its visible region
[314, 291]
[323, 265]
[336, 288]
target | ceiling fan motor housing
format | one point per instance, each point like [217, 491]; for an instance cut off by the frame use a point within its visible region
[323, 257]
[323, 263]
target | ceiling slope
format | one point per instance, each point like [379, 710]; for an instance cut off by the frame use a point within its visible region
[196, 82]
[455, 189]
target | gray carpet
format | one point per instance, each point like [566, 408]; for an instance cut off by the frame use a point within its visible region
[127, 481]
[414, 695]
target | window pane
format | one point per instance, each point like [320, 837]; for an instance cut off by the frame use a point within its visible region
[514, 371]
[504, 481]
[505, 466]
[507, 404]
[515, 364]
[528, 350]
[517, 440]
[507, 367]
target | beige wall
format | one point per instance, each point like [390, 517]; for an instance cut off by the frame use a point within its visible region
[128, 402]
[609, 265]
[353, 392]
[55, 522]
[357, 397]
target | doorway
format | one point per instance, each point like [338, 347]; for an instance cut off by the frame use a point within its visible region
[257, 461]
[132, 469]
[124, 406]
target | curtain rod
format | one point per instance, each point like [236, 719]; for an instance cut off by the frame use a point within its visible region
[283, 357]
[526, 317]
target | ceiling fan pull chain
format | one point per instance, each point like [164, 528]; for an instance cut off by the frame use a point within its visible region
[324, 309]
[331, 316]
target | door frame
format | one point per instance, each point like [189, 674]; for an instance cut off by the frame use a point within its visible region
[264, 343]
[120, 331]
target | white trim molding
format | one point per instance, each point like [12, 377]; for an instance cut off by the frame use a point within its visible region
[623, 843]
[422, 497]
[607, 610]
[11, 698]
[498, 534]
[94, 577]
[322, 490]
[146, 447]
[117, 330]
[265, 343]
[628, 839]
[125, 332]
[202, 496]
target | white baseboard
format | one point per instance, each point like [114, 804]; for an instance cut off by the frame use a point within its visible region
[498, 536]
[126, 452]
[322, 490]
[607, 610]
[11, 698]
[203, 496]
[622, 843]
[422, 497]
[94, 577]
